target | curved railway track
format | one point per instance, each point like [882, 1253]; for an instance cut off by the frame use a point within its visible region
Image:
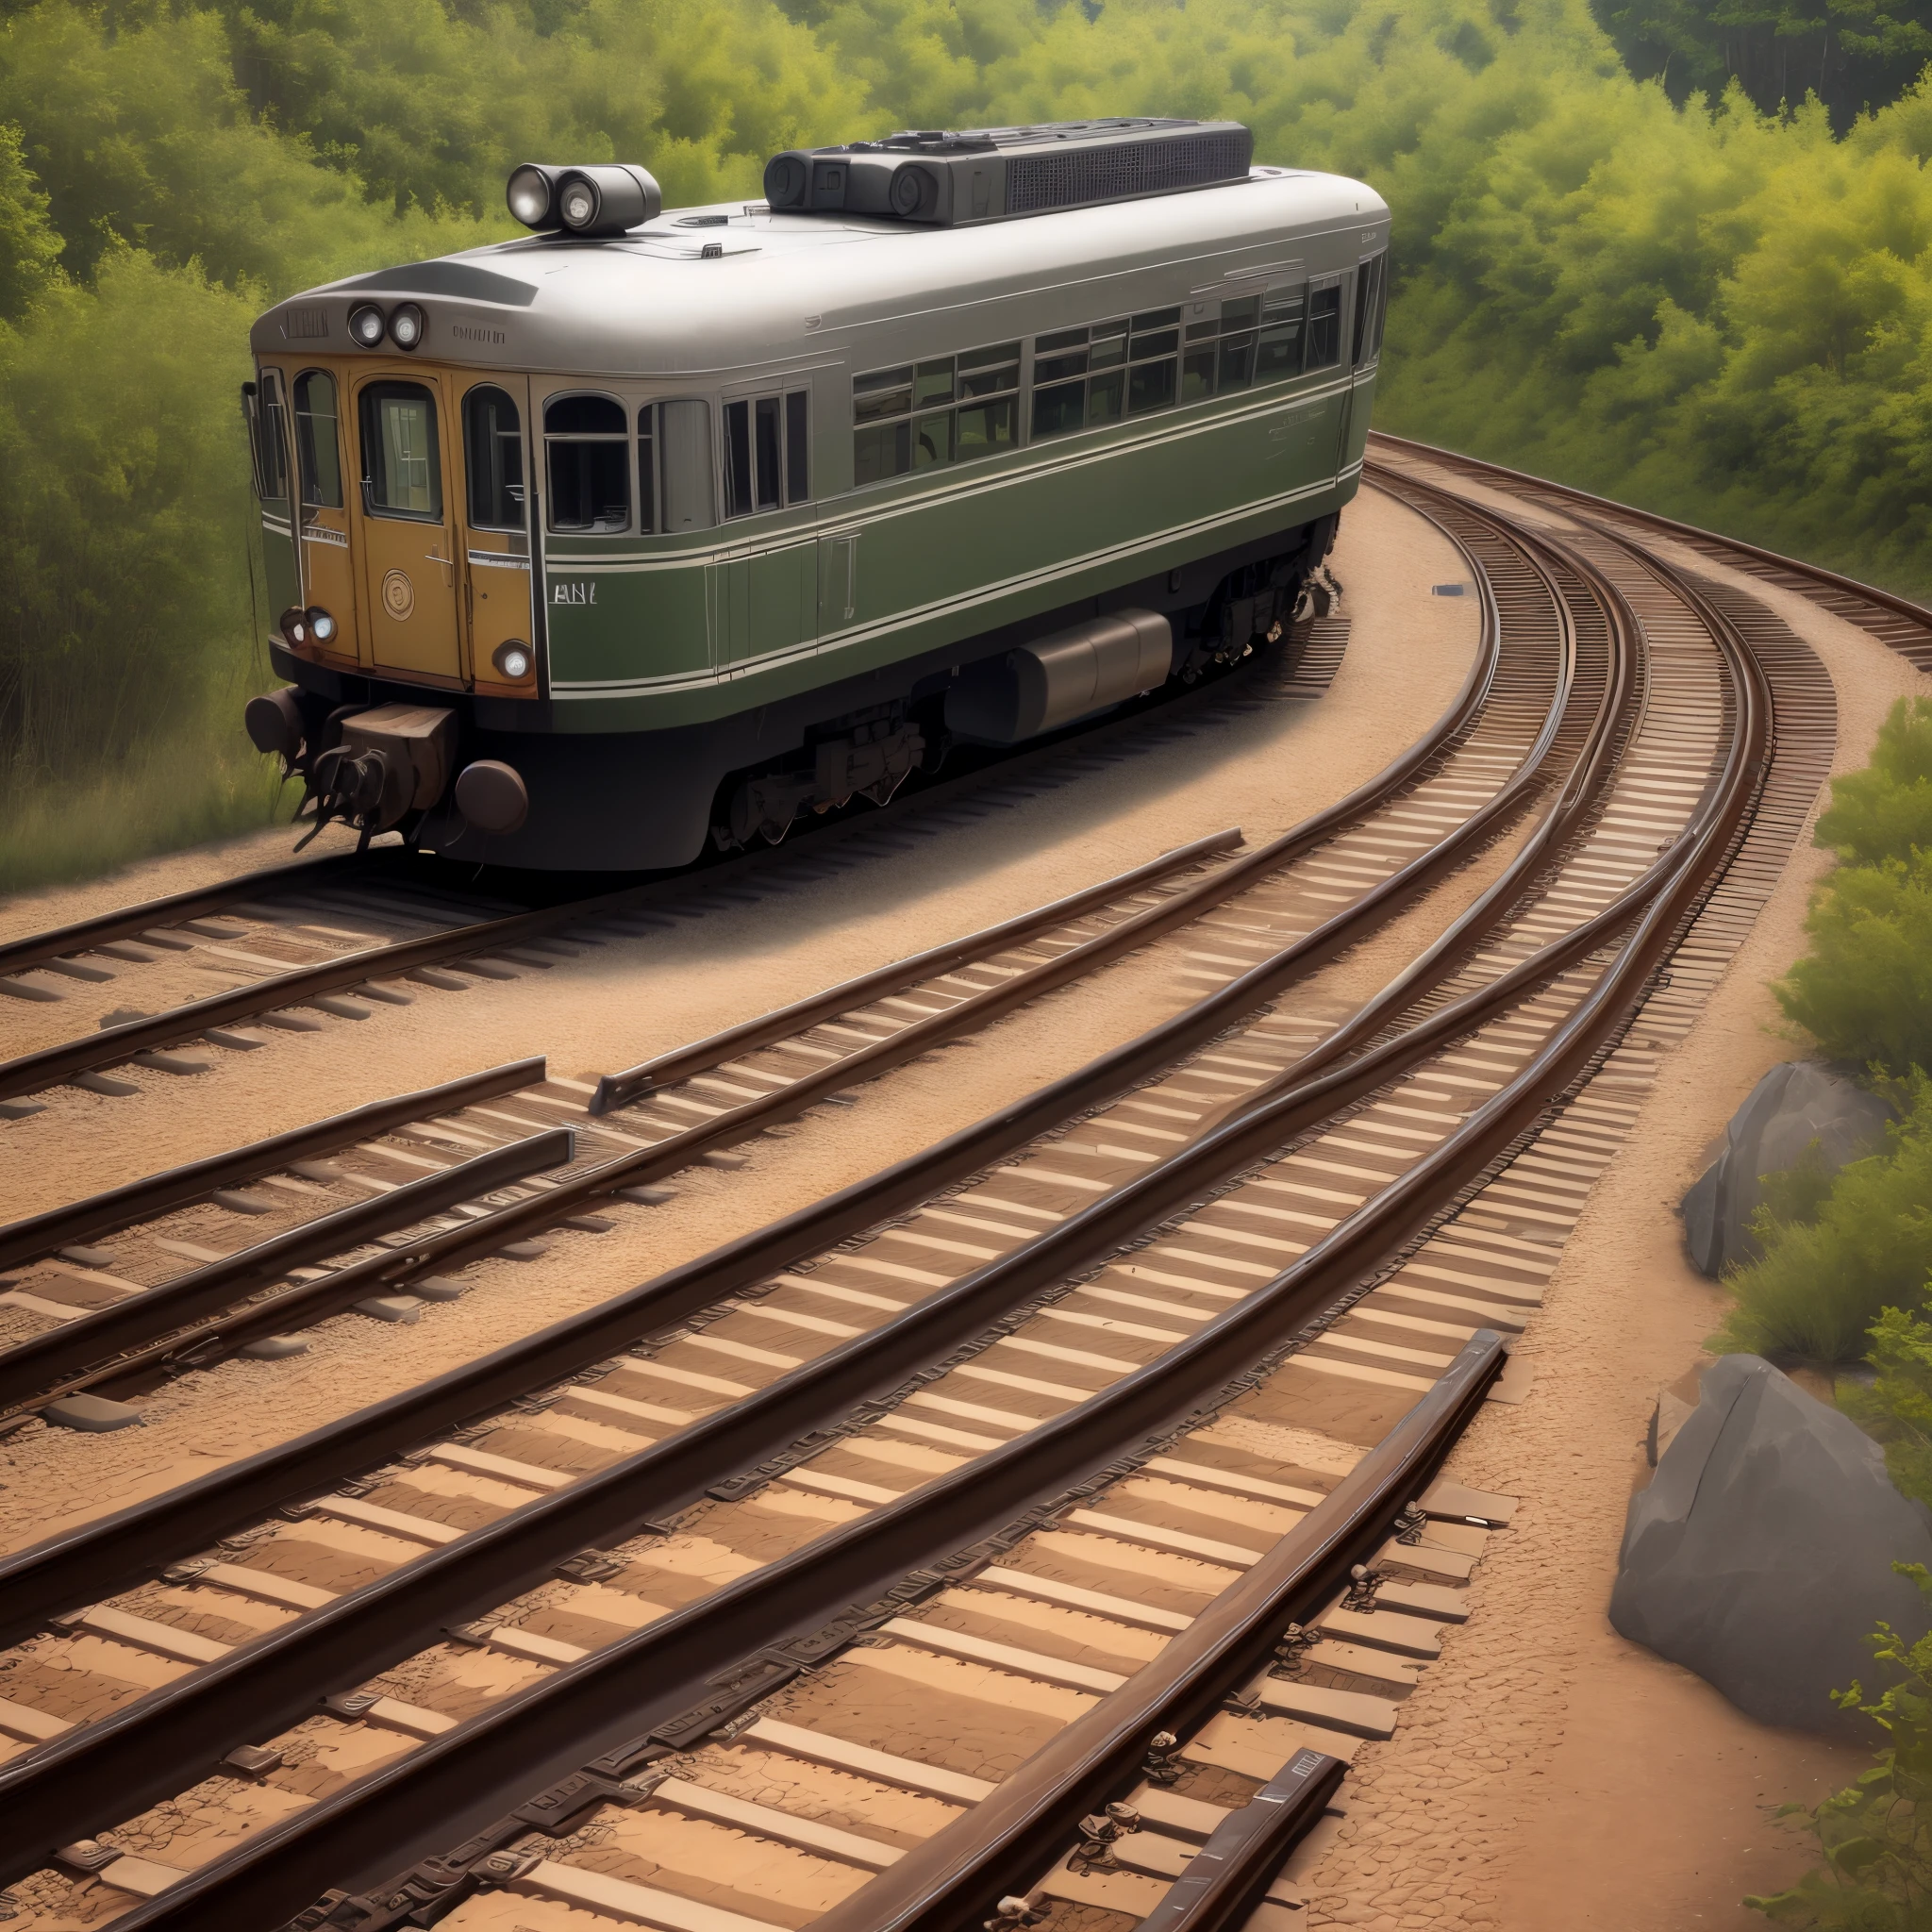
[333, 938]
[946, 1512]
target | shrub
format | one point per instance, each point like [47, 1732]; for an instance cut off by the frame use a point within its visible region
[1875, 1834]
[1821, 1285]
[1884, 811]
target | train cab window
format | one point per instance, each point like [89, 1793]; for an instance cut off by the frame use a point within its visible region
[587, 449]
[1371, 296]
[1325, 323]
[1283, 321]
[946, 410]
[493, 454]
[767, 452]
[268, 437]
[402, 464]
[318, 448]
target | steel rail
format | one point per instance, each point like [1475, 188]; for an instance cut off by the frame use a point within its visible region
[28, 1367]
[951, 1878]
[452, 1246]
[56, 941]
[30, 1072]
[681, 1062]
[155, 1194]
[641, 1679]
[1229, 1876]
[1851, 587]
[780, 1414]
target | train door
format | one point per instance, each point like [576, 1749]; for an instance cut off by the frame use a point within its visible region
[494, 521]
[406, 524]
[1365, 341]
[328, 577]
[266, 407]
[767, 593]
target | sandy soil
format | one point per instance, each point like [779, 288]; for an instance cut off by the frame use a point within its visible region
[1407, 656]
[1549, 1773]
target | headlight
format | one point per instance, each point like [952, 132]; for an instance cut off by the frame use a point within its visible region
[607, 200]
[294, 624]
[512, 660]
[528, 196]
[366, 326]
[321, 626]
[407, 326]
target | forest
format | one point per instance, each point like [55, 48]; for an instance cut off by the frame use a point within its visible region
[1628, 254]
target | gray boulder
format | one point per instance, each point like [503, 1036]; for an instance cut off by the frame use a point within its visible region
[1797, 1102]
[1760, 1556]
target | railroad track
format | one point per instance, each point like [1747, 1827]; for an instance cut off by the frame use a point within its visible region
[336, 940]
[88, 1327]
[1022, 1468]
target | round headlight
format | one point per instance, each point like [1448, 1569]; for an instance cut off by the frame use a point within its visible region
[321, 626]
[366, 326]
[294, 624]
[579, 205]
[528, 196]
[407, 326]
[512, 660]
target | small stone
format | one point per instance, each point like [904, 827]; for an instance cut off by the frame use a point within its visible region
[525, 1251]
[440, 1287]
[93, 1414]
[273, 1348]
[647, 1197]
[730, 1162]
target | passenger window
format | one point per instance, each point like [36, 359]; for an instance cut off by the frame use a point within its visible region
[1325, 323]
[1153, 360]
[318, 452]
[767, 452]
[587, 449]
[270, 447]
[494, 450]
[1279, 347]
[402, 464]
[947, 409]
[1079, 378]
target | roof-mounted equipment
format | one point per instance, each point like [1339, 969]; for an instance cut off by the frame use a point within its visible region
[605, 200]
[997, 174]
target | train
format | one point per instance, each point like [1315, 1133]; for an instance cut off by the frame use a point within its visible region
[657, 532]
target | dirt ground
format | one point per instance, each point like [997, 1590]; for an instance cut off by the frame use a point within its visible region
[1407, 656]
[1549, 1773]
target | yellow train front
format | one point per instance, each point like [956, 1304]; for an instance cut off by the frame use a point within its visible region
[654, 530]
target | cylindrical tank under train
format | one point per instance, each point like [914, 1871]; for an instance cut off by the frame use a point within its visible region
[652, 530]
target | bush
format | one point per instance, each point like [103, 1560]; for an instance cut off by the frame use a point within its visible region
[1884, 811]
[1821, 1285]
[1864, 991]
[1875, 1834]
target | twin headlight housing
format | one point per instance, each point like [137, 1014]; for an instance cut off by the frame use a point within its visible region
[312, 626]
[605, 200]
[405, 326]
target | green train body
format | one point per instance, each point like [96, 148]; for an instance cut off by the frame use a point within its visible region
[677, 532]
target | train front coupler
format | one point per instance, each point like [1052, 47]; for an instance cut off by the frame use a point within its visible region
[390, 765]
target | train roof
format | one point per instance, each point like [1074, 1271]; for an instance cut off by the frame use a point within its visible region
[729, 290]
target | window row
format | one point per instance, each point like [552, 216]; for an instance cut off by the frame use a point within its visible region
[954, 408]
[599, 465]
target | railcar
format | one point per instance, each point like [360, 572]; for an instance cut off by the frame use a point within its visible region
[658, 530]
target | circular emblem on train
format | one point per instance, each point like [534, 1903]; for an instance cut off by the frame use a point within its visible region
[398, 594]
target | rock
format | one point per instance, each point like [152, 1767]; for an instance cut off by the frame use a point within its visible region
[1797, 1103]
[1760, 1556]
